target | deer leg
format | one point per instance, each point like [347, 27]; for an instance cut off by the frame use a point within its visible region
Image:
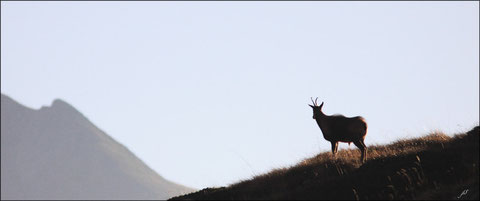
[364, 151]
[334, 148]
[362, 148]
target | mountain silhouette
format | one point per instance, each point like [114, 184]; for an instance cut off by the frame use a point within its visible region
[57, 153]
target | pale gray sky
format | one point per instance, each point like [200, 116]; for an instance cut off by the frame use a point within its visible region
[211, 93]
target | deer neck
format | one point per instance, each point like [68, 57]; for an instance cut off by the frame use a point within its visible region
[322, 123]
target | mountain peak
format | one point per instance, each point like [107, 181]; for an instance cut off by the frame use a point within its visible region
[43, 147]
[61, 105]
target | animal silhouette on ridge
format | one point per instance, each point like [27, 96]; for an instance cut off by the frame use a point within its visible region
[338, 128]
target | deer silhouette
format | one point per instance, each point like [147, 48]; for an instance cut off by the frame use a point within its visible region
[338, 128]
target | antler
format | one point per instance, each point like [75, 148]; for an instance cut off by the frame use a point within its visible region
[314, 102]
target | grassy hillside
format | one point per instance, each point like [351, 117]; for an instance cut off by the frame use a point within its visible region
[432, 167]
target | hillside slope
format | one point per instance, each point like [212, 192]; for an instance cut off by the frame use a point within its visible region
[57, 153]
[432, 167]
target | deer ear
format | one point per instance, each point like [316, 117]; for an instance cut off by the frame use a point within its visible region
[321, 105]
[310, 105]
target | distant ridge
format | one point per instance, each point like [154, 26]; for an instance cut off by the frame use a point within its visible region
[57, 153]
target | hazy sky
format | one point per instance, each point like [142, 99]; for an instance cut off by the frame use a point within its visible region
[210, 93]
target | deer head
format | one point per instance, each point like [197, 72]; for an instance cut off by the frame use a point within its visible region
[317, 110]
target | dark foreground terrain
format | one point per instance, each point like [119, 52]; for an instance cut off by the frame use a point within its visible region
[436, 167]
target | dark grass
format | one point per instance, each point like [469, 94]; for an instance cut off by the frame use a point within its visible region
[435, 167]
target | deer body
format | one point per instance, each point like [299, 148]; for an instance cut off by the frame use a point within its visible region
[338, 128]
